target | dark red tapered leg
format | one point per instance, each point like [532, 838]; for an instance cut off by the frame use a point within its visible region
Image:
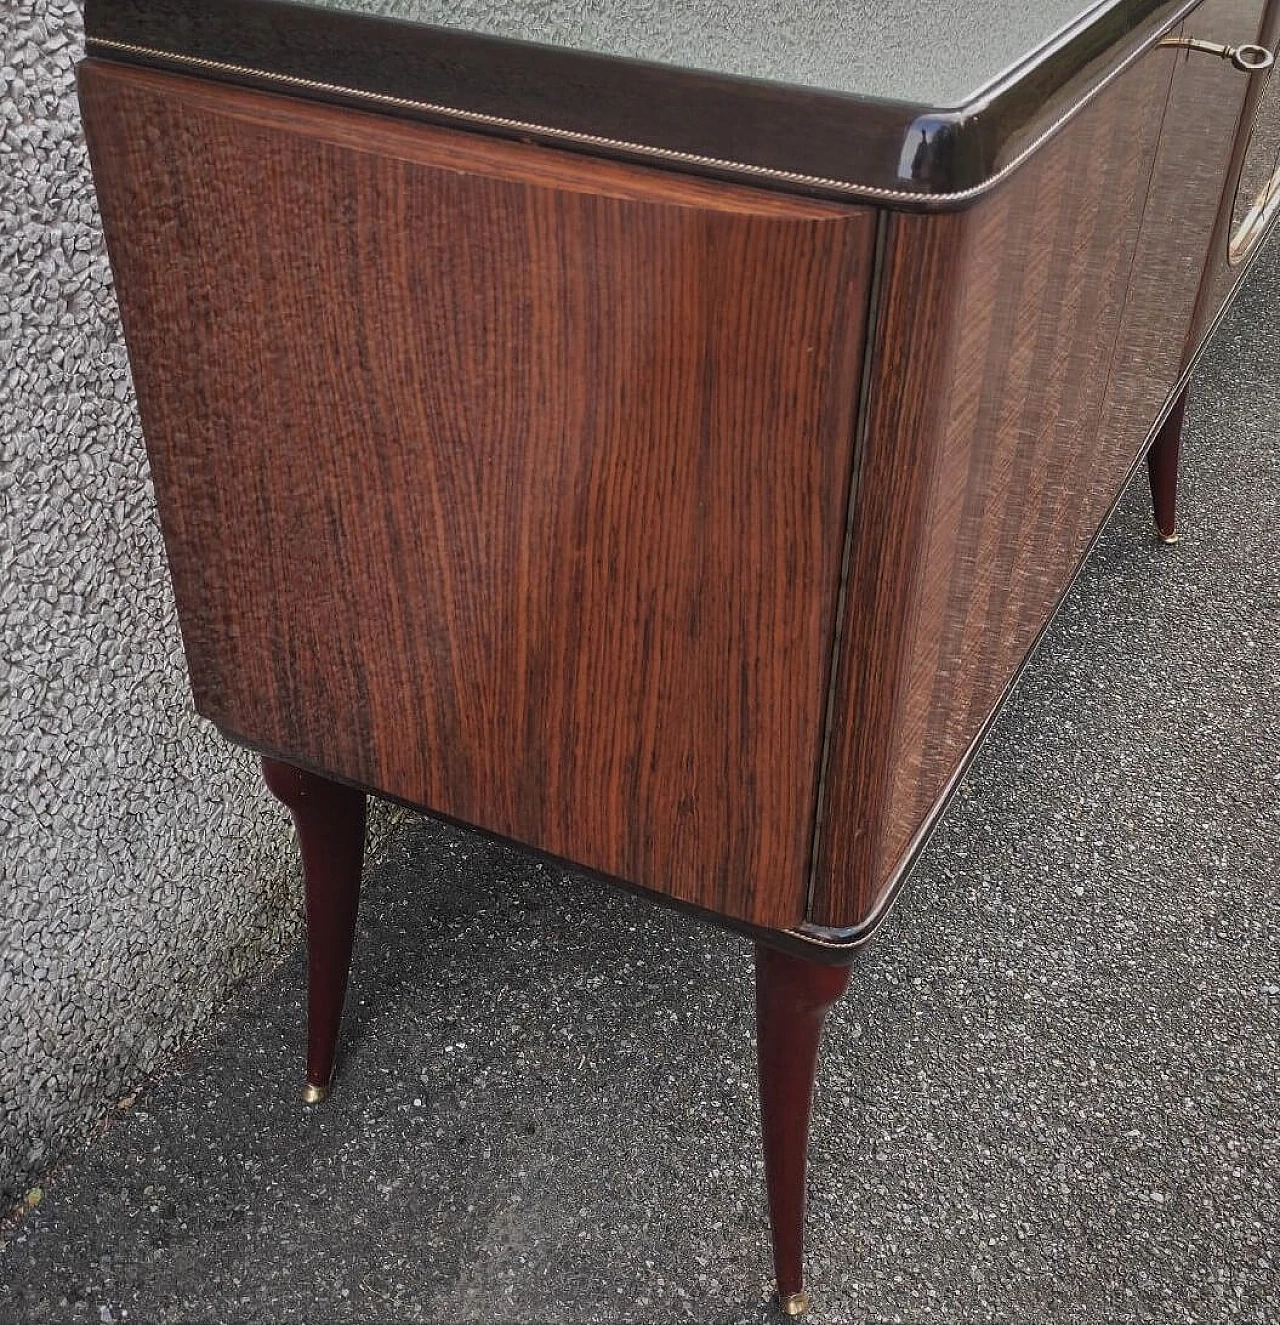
[792, 999]
[1162, 469]
[330, 822]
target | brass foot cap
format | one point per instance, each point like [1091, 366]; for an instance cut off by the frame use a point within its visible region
[1168, 538]
[794, 1304]
[313, 1094]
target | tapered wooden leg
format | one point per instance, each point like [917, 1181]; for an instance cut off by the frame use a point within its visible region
[330, 822]
[792, 999]
[1162, 469]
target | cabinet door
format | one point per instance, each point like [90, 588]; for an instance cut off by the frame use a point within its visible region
[1250, 165]
[1042, 333]
[986, 467]
[1175, 256]
[1257, 196]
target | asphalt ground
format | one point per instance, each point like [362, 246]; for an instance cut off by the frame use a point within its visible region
[1050, 1094]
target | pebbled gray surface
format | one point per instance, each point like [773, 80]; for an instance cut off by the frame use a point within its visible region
[143, 874]
[935, 52]
[1051, 1094]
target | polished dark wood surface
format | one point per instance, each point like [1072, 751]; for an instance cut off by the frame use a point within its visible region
[890, 524]
[1222, 276]
[504, 482]
[1062, 318]
[330, 822]
[983, 472]
[1023, 350]
[793, 997]
[1177, 238]
[1162, 470]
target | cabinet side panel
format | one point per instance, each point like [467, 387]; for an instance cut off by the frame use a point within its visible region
[502, 481]
[1014, 475]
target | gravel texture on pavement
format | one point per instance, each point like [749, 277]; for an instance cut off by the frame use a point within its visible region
[1050, 1095]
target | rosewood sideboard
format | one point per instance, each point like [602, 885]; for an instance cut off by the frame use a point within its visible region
[658, 435]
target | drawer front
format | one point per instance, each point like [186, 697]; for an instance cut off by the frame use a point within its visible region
[502, 481]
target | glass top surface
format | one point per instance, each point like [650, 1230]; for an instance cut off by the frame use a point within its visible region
[930, 52]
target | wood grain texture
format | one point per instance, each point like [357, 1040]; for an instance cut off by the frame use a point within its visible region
[500, 480]
[1177, 238]
[975, 505]
[1250, 21]
[1082, 290]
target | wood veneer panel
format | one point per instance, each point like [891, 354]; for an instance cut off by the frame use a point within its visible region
[503, 481]
[976, 502]
[1206, 99]
[1177, 241]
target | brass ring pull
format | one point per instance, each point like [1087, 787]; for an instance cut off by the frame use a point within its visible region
[1248, 58]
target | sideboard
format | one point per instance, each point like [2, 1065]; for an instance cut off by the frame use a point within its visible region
[658, 436]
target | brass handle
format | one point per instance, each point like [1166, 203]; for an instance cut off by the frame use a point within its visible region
[1248, 58]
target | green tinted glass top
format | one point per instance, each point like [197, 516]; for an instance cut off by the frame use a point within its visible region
[935, 52]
